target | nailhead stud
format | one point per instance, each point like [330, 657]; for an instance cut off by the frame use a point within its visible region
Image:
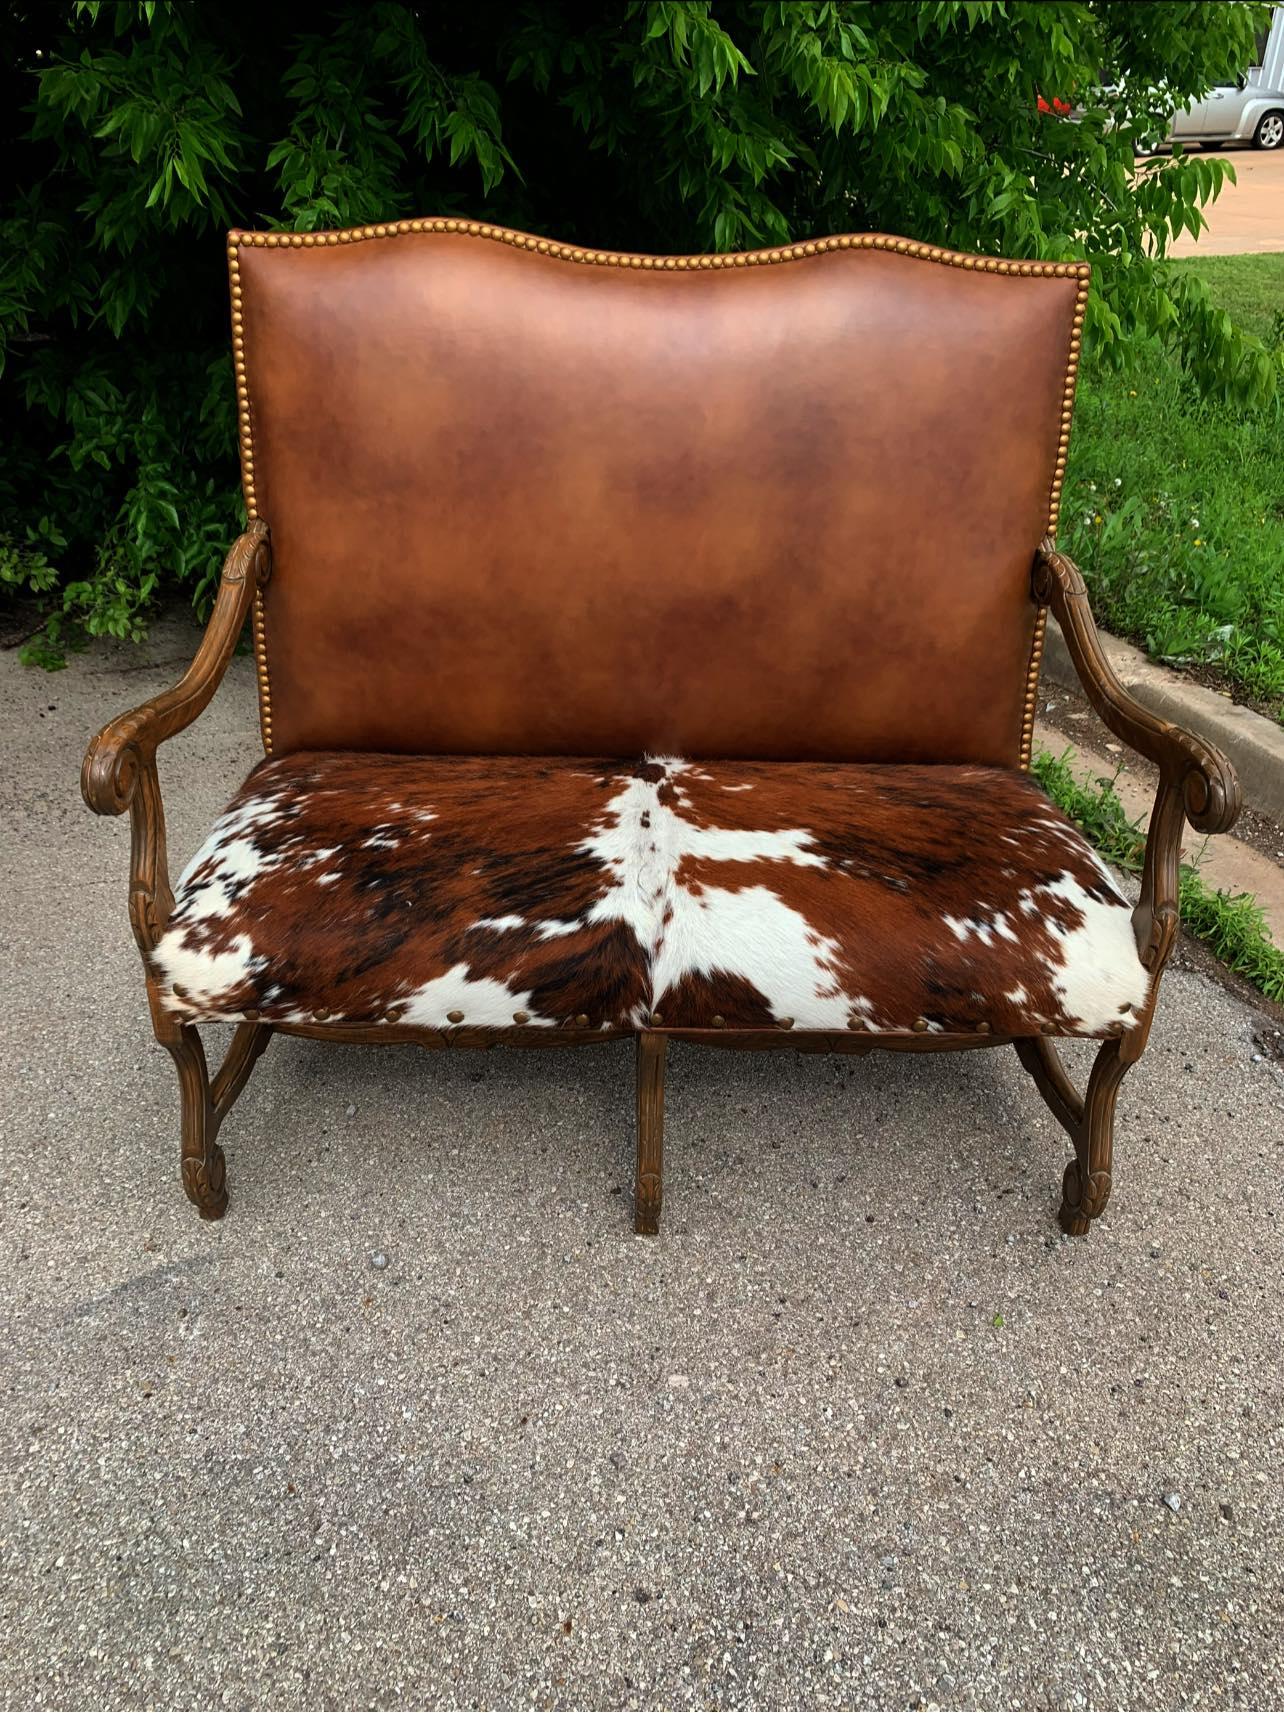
[521, 1017]
[178, 990]
[656, 1018]
[719, 1022]
[920, 1025]
[786, 1023]
[454, 1016]
[581, 1022]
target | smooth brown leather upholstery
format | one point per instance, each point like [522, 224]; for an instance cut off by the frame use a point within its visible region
[524, 505]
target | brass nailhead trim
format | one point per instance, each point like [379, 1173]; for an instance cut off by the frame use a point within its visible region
[261, 673]
[521, 1017]
[719, 1022]
[785, 1023]
[1083, 273]
[178, 990]
[454, 1017]
[245, 434]
[656, 1017]
[920, 1024]
[581, 1022]
[604, 258]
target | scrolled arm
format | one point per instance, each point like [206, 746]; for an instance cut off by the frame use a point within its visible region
[123, 751]
[119, 770]
[1205, 778]
[1196, 781]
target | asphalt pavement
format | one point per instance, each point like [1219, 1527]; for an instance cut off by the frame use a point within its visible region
[423, 1423]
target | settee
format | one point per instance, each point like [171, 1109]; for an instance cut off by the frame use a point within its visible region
[648, 646]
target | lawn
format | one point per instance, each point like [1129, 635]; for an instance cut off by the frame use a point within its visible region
[1174, 508]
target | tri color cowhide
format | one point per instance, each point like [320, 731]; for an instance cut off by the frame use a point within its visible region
[462, 892]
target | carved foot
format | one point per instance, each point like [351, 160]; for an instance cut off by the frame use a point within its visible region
[647, 1204]
[205, 1181]
[1082, 1202]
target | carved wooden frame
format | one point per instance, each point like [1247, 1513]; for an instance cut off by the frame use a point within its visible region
[1196, 784]
[119, 773]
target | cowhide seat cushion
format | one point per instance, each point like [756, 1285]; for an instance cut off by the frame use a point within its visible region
[458, 892]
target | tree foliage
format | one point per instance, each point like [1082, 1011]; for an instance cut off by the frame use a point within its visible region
[138, 131]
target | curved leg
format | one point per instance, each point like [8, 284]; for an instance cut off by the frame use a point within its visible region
[248, 1043]
[1089, 1121]
[204, 1108]
[649, 1189]
[204, 1169]
[1043, 1062]
[1086, 1185]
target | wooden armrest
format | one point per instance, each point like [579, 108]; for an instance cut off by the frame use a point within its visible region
[119, 770]
[123, 750]
[1196, 781]
[1207, 782]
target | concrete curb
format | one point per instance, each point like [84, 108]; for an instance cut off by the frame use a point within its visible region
[1254, 744]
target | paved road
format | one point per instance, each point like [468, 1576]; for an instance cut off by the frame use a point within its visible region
[860, 1428]
[1248, 217]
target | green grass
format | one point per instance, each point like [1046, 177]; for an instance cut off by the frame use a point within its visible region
[1174, 508]
[1231, 924]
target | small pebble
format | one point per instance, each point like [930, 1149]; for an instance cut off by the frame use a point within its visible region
[378, 1260]
[1173, 1501]
[352, 1112]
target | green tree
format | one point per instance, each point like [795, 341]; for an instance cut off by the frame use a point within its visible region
[138, 131]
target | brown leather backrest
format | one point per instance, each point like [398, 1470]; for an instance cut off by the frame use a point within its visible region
[532, 499]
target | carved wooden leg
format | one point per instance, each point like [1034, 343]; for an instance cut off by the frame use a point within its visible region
[205, 1107]
[248, 1044]
[204, 1170]
[649, 1189]
[1089, 1120]
[1086, 1186]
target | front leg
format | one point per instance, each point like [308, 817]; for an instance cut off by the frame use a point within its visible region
[203, 1166]
[1085, 1189]
[649, 1188]
[1088, 1120]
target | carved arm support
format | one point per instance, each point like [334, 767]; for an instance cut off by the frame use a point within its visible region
[119, 770]
[1196, 782]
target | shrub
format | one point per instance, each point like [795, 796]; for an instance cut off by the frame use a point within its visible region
[138, 131]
